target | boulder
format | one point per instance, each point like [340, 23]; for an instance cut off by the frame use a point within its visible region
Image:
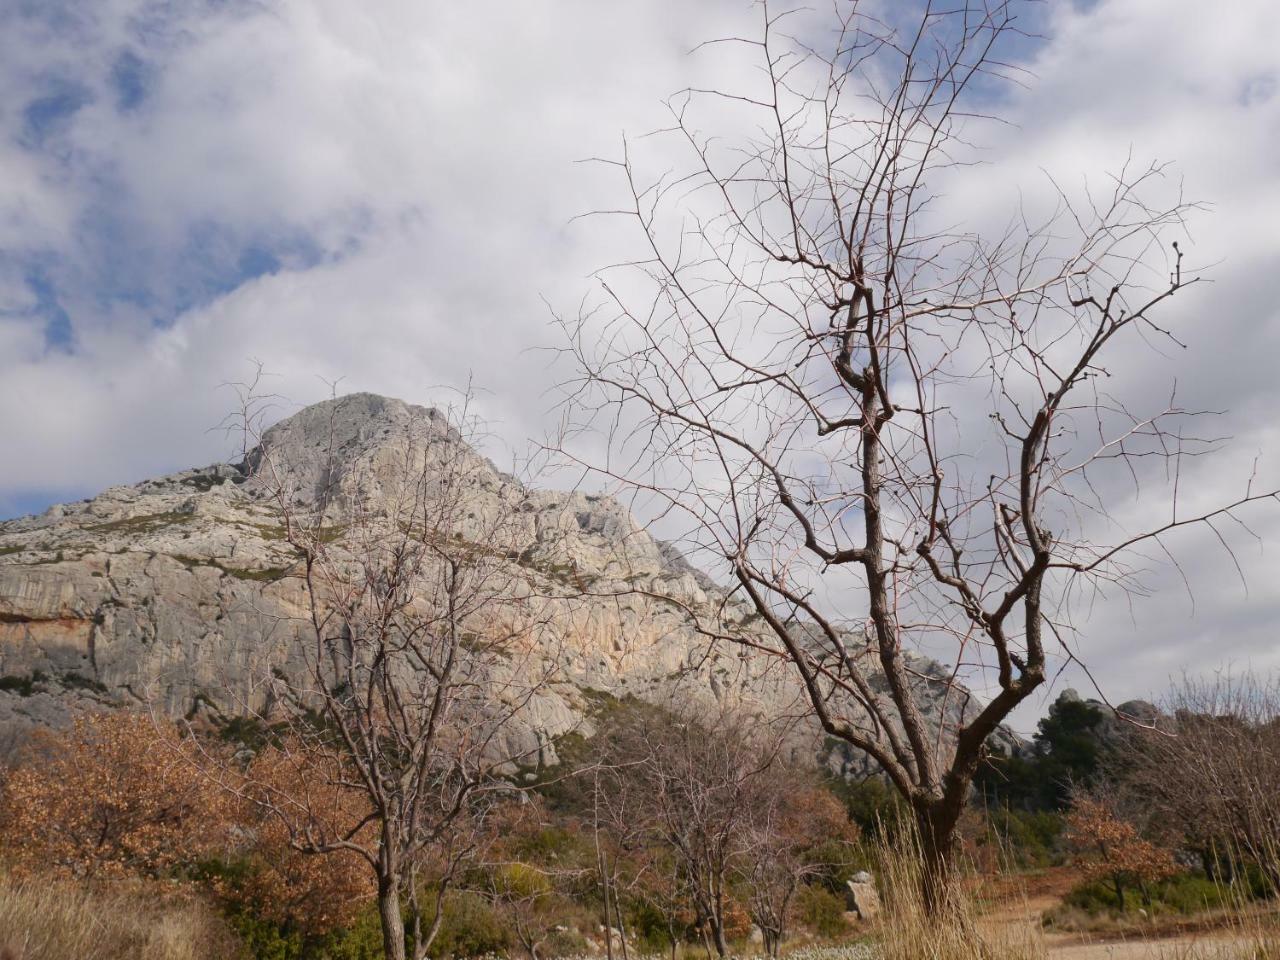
[862, 898]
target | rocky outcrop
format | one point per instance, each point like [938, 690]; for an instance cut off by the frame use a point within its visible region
[862, 900]
[179, 593]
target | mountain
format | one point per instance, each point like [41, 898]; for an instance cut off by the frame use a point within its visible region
[178, 593]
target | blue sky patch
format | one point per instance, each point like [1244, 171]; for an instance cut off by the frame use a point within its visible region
[58, 331]
[48, 115]
[130, 77]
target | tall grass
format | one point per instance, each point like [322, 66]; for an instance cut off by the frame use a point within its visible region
[52, 920]
[909, 932]
[1241, 929]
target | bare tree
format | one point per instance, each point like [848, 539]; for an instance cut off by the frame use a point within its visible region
[631, 860]
[1211, 772]
[397, 706]
[688, 782]
[524, 877]
[838, 395]
[791, 818]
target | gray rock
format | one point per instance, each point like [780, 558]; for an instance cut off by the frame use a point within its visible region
[178, 592]
[862, 898]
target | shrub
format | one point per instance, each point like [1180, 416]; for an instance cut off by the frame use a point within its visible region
[1183, 894]
[471, 928]
[1029, 839]
[821, 911]
[116, 795]
[265, 939]
[1112, 849]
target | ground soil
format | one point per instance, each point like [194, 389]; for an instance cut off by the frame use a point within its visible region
[1011, 908]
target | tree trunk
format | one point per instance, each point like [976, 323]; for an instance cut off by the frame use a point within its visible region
[717, 930]
[392, 920]
[936, 825]
[622, 930]
[704, 931]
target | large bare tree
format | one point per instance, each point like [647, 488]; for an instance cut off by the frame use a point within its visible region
[895, 435]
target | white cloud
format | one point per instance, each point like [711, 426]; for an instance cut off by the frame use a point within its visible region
[412, 167]
[1166, 82]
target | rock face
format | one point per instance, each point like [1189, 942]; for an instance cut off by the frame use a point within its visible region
[177, 592]
[861, 897]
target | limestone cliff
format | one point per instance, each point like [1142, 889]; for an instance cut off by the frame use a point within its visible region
[179, 592]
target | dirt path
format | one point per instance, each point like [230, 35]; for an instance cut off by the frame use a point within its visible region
[1209, 947]
[1015, 913]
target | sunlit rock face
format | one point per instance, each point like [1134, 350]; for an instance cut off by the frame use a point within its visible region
[181, 594]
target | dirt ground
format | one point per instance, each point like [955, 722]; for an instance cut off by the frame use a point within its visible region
[1016, 904]
[1204, 947]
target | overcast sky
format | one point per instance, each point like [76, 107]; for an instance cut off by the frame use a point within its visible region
[384, 193]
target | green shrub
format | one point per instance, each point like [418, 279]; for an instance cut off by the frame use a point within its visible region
[821, 911]
[874, 805]
[1191, 893]
[1093, 898]
[836, 862]
[470, 929]
[568, 943]
[22, 686]
[266, 940]
[1029, 839]
[1184, 893]
[649, 926]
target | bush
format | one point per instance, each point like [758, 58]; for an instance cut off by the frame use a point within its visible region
[116, 795]
[1185, 893]
[821, 911]
[267, 939]
[875, 806]
[470, 928]
[1029, 839]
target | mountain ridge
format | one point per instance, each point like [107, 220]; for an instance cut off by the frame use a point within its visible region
[174, 593]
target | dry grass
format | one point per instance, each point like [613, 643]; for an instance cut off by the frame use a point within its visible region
[909, 932]
[1008, 927]
[47, 920]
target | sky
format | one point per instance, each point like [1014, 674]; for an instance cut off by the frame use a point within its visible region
[384, 196]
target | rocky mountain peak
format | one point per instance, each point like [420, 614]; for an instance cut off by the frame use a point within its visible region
[179, 592]
[357, 444]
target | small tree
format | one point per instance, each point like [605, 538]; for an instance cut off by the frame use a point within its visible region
[688, 782]
[525, 872]
[1112, 849]
[282, 883]
[893, 434]
[1211, 771]
[400, 702]
[791, 824]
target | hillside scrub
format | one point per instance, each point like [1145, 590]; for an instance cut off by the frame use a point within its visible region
[114, 796]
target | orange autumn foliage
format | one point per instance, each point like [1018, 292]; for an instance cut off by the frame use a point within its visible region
[308, 891]
[1111, 848]
[116, 794]
[121, 795]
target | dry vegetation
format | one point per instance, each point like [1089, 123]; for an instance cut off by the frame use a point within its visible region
[676, 826]
[799, 326]
[44, 919]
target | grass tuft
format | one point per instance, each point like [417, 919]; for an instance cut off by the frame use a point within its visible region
[48, 920]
